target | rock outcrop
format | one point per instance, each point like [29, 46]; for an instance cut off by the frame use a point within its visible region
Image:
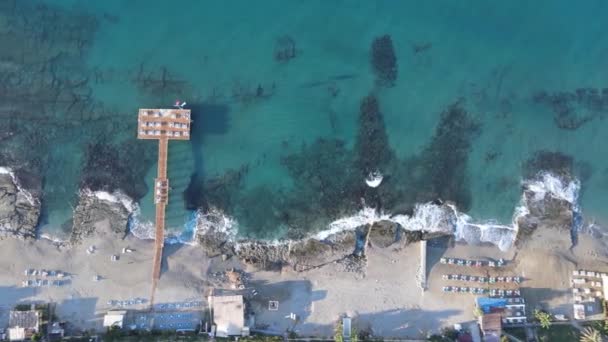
[19, 206]
[95, 208]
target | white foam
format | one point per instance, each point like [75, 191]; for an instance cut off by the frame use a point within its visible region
[430, 217]
[141, 229]
[216, 221]
[546, 183]
[26, 194]
[374, 179]
[363, 217]
[116, 197]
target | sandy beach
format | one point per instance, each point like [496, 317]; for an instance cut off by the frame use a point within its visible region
[385, 300]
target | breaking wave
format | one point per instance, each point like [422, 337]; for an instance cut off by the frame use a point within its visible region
[431, 217]
[28, 196]
[427, 217]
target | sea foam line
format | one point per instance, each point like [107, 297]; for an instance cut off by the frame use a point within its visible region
[427, 217]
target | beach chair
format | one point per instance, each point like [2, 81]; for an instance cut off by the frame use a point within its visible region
[460, 262]
[469, 262]
[491, 264]
[492, 280]
[483, 279]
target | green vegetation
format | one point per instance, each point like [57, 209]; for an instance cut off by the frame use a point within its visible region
[591, 335]
[504, 338]
[544, 318]
[558, 333]
[520, 333]
[338, 332]
[23, 307]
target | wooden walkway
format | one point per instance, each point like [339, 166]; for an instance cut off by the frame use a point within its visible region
[159, 238]
[162, 125]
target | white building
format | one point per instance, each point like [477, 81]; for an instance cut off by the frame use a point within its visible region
[114, 319]
[228, 315]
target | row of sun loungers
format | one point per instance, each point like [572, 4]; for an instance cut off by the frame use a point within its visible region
[169, 306]
[30, 272]
[592, 274]
[587, 291]
[472, 263]
[504, 293]
[42, 283]
[580, 281]
[491, 280]
[458, 289]
[129, 302]
[479, 290]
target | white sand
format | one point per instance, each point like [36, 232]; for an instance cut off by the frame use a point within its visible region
[387, 300]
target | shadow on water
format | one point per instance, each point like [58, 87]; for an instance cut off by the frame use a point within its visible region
[206, 119]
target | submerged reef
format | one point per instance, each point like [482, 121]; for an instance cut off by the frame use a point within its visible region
[573, 109]
[384, 61]
[325, 183]
[371, 147]
[328, 179]
[440, 171]
[110, 167]
[284, 49]
[161, 83]
[373, 154]
[559, 164]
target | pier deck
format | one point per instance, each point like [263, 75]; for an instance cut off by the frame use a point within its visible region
[162, 125]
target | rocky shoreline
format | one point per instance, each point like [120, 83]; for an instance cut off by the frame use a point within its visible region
[20, 209]
[19, 204]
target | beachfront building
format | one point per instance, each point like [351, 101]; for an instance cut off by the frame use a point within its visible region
[114, 318]
[227, 316]
[512, 310]
[588, 290]
[491, 326]
[22, 325]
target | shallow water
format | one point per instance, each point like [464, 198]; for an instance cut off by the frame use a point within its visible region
[494, 57]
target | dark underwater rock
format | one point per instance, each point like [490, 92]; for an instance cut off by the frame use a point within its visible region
[573, 109]
[440, 171]
[109, 167]
[557, 163]
[285, 49]
[19, 208]
[371, 146]
[384, 60]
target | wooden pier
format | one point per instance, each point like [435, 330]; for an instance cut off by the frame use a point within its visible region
[162, 125]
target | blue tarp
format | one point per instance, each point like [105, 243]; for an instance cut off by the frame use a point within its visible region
[486, 304]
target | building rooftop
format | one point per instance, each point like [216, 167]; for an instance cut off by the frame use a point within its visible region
[228, 315]
[24, 319]
[114, 318]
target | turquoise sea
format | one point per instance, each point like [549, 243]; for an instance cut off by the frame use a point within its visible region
[266, 80]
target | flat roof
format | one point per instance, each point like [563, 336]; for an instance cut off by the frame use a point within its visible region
[228, 315]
